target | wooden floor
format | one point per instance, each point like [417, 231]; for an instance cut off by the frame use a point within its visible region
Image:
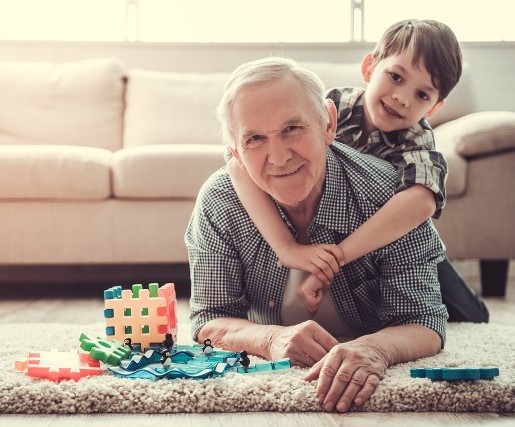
[47, 305]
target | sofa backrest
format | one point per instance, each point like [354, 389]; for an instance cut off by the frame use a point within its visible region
[79, 103]
[172, 108]
[179, 108]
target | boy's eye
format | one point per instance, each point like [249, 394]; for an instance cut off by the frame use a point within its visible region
[395, 77]
[423, 95]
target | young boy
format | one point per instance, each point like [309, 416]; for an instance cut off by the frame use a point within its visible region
[409, 74]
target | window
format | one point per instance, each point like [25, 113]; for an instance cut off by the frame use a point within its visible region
[234, 21]
[471, 21]
[244, 21]
[92, 20]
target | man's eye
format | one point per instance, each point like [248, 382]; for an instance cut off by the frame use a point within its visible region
[423, 95]
[289, 130]
[395, 77]
[254, 139]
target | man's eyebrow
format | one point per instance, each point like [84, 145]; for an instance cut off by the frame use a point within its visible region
[292, 121]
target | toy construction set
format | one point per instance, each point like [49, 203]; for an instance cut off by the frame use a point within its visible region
[141, 342]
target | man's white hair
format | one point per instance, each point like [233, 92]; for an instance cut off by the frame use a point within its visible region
[266, 70]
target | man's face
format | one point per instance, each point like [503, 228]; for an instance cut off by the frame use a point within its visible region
[280, 140]
[398, 94]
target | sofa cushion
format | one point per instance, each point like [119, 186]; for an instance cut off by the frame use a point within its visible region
[79, 103]
[172, 108]
[54, 172]
[483, 133]
[164, 171]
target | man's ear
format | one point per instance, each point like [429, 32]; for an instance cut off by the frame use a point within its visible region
[367, 65]
[330, 131]
[435, 109]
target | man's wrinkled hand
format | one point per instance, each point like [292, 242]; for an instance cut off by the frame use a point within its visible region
[304, 344]
[348, 374]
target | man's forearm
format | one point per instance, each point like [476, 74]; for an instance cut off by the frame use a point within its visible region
[399, 344]
[239, 334]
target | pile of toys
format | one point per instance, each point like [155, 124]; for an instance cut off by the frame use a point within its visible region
[136, 322]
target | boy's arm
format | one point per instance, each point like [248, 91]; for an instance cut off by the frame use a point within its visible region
[320, 260]
[405, 211]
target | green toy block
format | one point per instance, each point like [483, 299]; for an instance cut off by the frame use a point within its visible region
[110, 352]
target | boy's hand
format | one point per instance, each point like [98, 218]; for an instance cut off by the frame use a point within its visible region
[311, 292]
[323, 261]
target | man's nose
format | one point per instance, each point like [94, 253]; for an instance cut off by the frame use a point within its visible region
[278, 152]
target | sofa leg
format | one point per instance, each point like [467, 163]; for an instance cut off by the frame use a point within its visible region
[494, 277]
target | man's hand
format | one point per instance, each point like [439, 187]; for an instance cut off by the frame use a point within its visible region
[323, 261]
[348, 374]
[311, 292]
[304, 344]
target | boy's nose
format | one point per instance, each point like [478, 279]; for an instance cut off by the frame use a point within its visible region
[402, 100]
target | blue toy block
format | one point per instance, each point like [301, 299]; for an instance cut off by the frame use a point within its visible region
[455, 374]
[266, 367]
[113, 293]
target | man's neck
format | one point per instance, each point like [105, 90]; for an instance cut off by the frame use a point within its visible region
[302, 214]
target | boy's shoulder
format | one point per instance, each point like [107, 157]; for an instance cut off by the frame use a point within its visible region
[345, 97]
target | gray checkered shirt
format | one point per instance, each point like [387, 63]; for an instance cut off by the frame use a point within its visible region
[234, 271]
[411, 151]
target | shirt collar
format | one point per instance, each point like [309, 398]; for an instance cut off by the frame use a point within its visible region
[355, 119]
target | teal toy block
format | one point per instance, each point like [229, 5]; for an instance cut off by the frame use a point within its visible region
[282, 364]
[455, 374]
[266, 367]
[110, 352]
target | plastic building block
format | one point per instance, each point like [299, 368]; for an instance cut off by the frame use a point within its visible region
[143, 315]
[455, 374]
[110, 352]
[274, 367]
[55, 365]
[188, 362]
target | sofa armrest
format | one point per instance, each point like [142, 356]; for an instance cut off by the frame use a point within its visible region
[478, 134]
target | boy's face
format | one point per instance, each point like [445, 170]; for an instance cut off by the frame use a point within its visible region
[398, 94]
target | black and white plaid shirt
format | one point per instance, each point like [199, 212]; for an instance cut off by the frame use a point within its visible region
[411, 151]
[234, 271]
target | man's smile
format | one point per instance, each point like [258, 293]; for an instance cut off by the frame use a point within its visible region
[286, 173]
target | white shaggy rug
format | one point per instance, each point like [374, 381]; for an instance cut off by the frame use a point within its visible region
[467, 345]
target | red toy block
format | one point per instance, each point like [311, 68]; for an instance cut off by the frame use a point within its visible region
[55, 365]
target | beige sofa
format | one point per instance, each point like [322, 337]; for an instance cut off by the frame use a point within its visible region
[100, 164]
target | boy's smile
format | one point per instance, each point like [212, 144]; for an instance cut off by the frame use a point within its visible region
[399, 93]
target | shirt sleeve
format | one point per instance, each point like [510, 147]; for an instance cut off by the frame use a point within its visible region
[417, 162]
[410, 291]
[215, 267]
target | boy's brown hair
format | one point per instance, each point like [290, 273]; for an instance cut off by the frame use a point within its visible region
[430, 41]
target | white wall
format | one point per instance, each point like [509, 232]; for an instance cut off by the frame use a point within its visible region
[493, 64]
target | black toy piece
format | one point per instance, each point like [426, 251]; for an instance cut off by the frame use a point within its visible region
[128, 342]
[244, 359]
[168, 342]
[208, 348]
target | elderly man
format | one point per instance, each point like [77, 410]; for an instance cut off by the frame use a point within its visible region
[387, 304]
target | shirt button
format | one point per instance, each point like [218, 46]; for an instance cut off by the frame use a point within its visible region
[271, 303]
